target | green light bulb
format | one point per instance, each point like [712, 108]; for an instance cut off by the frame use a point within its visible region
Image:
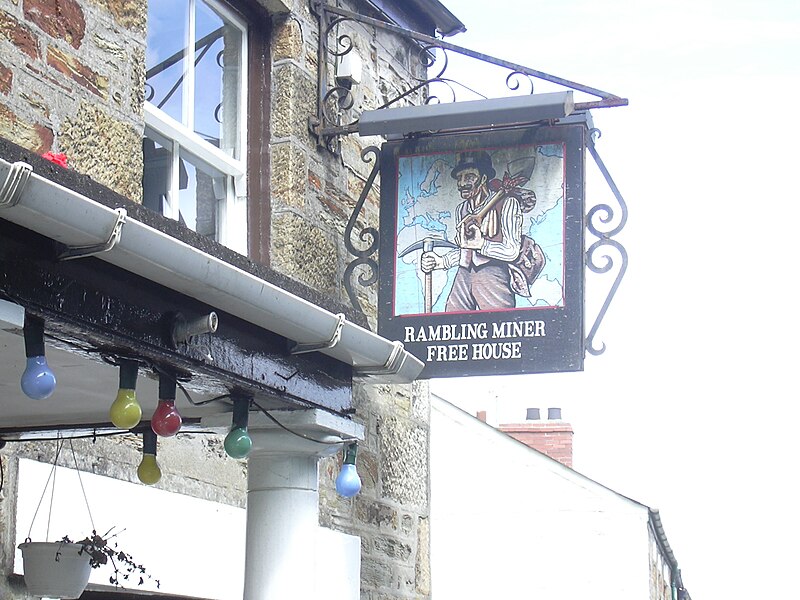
[149, 471]
[238, 443]
[125, 412]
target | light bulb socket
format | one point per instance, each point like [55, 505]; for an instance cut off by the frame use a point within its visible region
[150, 442]
[167, 385]
[128, 373]
[33, 332]
[241, 412]
[350, 453]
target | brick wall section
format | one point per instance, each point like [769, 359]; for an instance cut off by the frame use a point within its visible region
[553, 438]
[62, 19]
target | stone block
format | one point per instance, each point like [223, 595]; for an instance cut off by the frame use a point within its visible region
[420, 401]
[423, 558]
[61, 19]
[294, 101]
[138, 77]
[287, 40]
[6, 80]
[36, 101]
[289, 174]
[20, 35]
[109, 151]
[72, 67]
[375, 515]
[130, 14]
[375, 573]
[303, 252]
[392, 548]
[404, 450]
[33, 136]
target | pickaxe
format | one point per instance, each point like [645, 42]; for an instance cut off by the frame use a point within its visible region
[518, 172]
[427, 245]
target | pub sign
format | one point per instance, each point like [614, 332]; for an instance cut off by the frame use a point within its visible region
[481, 255]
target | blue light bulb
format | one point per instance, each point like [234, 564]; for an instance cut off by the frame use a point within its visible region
[348, 483]
[38, 381]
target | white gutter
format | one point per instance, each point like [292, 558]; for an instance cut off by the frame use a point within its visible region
[56, 212]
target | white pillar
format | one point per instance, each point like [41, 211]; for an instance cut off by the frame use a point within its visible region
[283, 502]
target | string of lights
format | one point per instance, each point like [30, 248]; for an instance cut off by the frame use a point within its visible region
[125, 413]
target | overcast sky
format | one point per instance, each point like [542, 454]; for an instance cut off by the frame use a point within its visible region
[693, 408]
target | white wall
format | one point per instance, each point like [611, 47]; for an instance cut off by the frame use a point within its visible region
[194, 547]
[508, 522]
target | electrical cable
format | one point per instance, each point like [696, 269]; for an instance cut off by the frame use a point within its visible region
[114, 360]
[297, 433]
[189, 398]
[99, 435]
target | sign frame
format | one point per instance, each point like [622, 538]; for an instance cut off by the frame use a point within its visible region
[484, 341]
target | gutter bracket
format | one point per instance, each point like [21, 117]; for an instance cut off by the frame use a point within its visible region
[390, 367]
[73, 252]
[313, 347]
[17, 178]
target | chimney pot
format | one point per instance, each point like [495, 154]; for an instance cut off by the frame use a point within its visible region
[554, 414]
[533, 414]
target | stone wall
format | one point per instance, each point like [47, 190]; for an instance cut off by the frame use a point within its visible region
[72, 81]
[314, 192]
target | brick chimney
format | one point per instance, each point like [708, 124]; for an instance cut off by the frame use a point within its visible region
[552, 437]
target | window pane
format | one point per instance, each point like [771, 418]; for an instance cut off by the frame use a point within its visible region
[167, 32]
[157, 175]
[217, 79]
[199, 200]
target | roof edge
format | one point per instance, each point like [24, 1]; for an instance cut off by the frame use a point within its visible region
[66, 216]
[666, 549]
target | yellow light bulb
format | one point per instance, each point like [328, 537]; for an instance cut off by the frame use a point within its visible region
[125, 412]
[149, 471]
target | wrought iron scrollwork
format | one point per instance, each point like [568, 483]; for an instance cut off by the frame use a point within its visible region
[368, 235]
[513, 81]
[600, 222]
[327, 125]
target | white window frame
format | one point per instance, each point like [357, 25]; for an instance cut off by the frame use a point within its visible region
[181, 139]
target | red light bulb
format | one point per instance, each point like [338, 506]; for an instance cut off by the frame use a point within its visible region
[166, 420]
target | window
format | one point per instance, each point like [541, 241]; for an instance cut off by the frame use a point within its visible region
[196, 117]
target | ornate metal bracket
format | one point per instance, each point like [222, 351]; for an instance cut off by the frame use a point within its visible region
[334, 119]
[368, 235]
[335, 101]
[598, 219]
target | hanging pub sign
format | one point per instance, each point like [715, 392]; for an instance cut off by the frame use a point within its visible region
[481, 256]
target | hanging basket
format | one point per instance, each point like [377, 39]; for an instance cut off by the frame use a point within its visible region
[55, 569]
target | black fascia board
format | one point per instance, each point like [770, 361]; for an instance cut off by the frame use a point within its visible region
[93, 306]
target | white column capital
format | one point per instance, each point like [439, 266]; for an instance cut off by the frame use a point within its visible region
[311, 432]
